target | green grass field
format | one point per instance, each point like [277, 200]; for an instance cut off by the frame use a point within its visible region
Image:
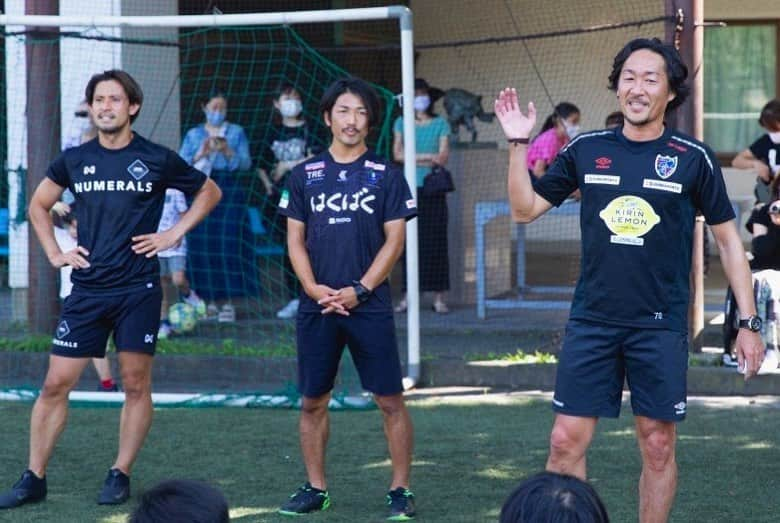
[470, 453]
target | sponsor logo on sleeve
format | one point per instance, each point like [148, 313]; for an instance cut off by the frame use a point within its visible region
[284, 200]
[411, 204]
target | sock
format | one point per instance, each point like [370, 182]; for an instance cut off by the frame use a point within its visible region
[107, 384]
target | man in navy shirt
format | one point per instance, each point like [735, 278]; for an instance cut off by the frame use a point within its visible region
[119, 181]
[346, 211]
[641, 186]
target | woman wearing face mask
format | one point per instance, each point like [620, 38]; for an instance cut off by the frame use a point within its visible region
[221, 150]
[432, 144]
[763, 155]
[560, 127]
[289, 144]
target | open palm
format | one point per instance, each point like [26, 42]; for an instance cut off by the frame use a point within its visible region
[514, 123]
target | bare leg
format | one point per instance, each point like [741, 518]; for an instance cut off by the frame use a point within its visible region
[51, 409]
[400, 437]
[658, 482]
[165, 285]
[314, 430]
[103, 368]
[181, 282]
[136, 415]
[569, 441]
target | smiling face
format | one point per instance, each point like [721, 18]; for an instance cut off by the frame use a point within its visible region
[348, 120]
[110, 107]
[643, 89]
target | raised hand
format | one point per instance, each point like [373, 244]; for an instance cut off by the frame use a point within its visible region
[514, 123]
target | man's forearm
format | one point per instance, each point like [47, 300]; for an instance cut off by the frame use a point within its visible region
[737, 270]
[205, 201]
[301, 264]
[383, 263]
[44, 229]
[520, 190]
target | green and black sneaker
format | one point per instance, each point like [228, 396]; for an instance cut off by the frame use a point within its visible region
[306, 499]
[400, 501]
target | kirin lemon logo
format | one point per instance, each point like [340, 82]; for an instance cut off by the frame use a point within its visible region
[629, 218]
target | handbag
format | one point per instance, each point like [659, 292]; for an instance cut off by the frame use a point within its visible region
[438, 181]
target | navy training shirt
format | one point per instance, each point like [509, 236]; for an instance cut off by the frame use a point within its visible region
[638, 207]
[344, 208]
[120, 194]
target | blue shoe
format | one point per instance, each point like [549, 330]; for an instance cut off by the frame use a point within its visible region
[116, 489]
[29, 489]
[400, 501]
[305, 500]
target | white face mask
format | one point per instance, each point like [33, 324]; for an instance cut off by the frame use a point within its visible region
[572, 130]
[775, 137]
[290, 108]
[421, 103]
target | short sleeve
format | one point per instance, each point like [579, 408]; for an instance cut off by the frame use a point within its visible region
[560, 180]
[58, 172]
[760, 148]
[398, 198]
[398, 125]
[711, 197]
[182, 176]
[291, 202]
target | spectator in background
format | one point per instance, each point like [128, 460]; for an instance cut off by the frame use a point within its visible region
[81, 128]
[614, 119]
[558, 129]
[173, 264]
[432, 143]
[181, 501]
[221, 150]
[764, 226]
[552, 497]
[763, 155]
[290, 144]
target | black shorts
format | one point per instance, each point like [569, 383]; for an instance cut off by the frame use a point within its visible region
[596, 358]
[87, 320]
[371, 340]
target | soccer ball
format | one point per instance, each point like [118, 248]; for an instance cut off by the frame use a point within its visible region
[182, 317]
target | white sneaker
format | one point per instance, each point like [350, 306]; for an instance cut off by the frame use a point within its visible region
[729, 360]
[289, 311]
[770, 362]
[165, 331]
[197, 302]
[227, 314]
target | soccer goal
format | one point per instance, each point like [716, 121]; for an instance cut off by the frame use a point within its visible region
[181, 61]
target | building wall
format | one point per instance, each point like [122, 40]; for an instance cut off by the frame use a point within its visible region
[743, 10]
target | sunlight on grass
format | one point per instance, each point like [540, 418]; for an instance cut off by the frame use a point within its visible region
[758, 445]
[116, 518]
[622, 433]
[498, 473]
[240, 512]
[688, 437]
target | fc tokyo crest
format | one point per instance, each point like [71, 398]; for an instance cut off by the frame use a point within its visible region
[138, 169]
[63, 329]
[665, 165]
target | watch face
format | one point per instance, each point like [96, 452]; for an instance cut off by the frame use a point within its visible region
[754, 323]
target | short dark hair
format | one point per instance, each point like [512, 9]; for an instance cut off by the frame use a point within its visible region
[676, 70]
[181, 500]
[549, 496]
[133, 91]
[359, 88]
[286, 88]
[770, 115]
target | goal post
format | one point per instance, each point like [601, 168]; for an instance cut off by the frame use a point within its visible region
[404, 17]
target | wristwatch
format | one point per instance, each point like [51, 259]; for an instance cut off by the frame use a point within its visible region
[362, 293]
[752, 323]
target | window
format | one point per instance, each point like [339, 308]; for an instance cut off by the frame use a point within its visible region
[740, 76]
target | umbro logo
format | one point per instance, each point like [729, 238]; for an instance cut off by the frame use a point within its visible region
[138, 169]
[89, 169]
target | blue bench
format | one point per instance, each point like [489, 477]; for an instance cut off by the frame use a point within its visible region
[4, 232]
[262, 243]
